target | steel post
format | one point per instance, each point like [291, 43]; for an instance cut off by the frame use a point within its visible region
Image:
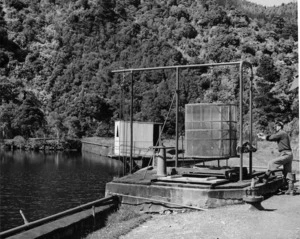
[177, 110]
[131, 123]
[241, 119]
[251, 128]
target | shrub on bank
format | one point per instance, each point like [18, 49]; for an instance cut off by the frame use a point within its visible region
[38, 144]
[71, 144]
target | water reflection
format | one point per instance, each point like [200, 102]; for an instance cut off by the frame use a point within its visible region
[42, 184]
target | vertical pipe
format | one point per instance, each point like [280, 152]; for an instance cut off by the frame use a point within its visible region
[122, 104]
[131, 122]
[250, 136]
[177, 110]
[121, 97]
[241, 119]
[159, 139]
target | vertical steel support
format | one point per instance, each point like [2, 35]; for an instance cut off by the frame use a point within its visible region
[177, 117]
[241, 119]
[131, 122]
[121, 98]
[250, 136]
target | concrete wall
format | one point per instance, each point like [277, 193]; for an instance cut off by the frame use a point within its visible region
[98, 145]
[186, 196]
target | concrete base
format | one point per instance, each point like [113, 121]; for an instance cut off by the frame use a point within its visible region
[150, 193]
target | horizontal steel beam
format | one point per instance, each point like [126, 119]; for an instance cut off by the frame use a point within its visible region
[175, 67]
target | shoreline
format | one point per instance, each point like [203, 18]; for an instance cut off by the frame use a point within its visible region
[41, 144]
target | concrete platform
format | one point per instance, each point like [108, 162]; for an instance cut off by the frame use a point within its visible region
[152, 193]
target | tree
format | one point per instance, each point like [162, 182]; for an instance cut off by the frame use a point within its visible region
[8, 91]
[29, 117]
[267, 106]
[65, 51]
[8, 112]
[74, 127]
[55, 122]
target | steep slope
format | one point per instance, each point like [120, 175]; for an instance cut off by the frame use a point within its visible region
[63, 52]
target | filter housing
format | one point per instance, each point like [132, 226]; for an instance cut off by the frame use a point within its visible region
[210, 130]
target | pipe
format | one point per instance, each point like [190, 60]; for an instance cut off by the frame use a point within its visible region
[246, 64]
[174, 67]
[159, 201]
[131, 124]
[177, 117]
[39, 222]
[251, 123]
[241, 119]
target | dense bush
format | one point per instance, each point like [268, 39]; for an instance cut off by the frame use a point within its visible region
[56, 59]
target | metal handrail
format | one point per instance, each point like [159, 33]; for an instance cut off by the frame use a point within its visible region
[127, 146]
[39, 222]
[99, 144]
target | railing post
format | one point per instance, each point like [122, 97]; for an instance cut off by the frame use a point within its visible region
[24, 218]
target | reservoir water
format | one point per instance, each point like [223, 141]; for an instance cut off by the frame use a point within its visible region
[45, 183]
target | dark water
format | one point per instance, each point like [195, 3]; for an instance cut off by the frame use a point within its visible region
[42, 184]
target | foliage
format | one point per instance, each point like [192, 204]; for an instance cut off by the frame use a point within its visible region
[29, 117]
[56, 59]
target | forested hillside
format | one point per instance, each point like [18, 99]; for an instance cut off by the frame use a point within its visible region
[56, 59]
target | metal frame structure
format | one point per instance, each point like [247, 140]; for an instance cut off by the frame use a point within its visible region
[240, 64]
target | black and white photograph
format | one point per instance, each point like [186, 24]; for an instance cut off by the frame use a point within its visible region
[149, 119]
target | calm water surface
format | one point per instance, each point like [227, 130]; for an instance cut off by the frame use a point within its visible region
[42, 184]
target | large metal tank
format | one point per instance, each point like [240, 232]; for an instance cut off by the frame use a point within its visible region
[211, 130]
